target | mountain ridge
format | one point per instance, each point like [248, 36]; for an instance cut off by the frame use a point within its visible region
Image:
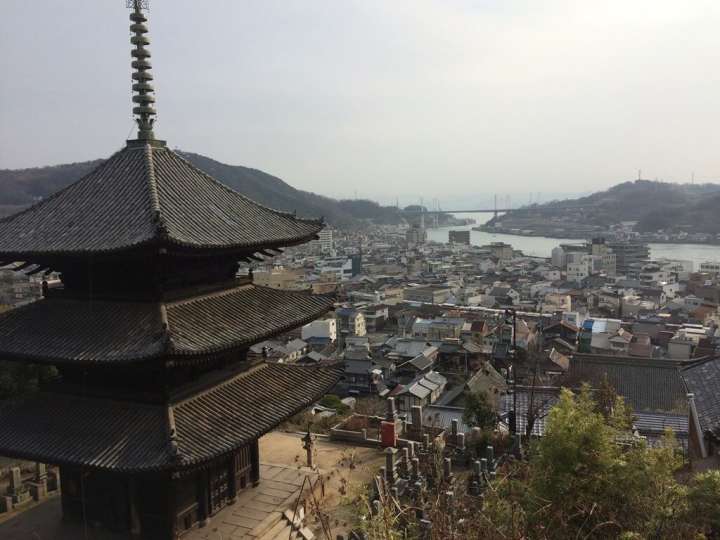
[19, 188]
[655, 206]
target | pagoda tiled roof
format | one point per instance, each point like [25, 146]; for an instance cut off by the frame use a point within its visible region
[127, 436]
[58, 329]
[146, 194]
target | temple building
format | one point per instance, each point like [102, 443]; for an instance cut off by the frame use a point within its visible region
[155, 413]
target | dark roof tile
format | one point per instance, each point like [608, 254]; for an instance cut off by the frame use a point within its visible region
[129, 436]
[69, 330]
[646, 384]
[147, 195]
[703, 380]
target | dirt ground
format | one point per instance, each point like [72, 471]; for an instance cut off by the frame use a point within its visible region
[347, 469]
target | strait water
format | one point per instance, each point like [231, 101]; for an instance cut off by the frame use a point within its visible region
[540, 246]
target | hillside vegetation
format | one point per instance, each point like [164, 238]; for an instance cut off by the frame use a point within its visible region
[654, 205]
[22, 187]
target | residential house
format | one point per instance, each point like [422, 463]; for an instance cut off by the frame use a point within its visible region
[277, 351]
[562, 330]
[596, 333]
[428, 294]
[416, 366]
[424, 390]
[361, 376]
[375, 317]
[620, 342]
[350, 321]
[319, 333]
[554, 302]
[438, 329]
[337, 268]
[641, 346]
[503, 295]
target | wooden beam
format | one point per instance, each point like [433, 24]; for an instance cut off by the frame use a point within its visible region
[23, 266]
[38, 270]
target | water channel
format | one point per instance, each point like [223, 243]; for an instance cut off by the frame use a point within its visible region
[540, 246]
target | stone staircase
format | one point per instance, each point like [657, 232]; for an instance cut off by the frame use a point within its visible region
[265, 512]
[282, 527]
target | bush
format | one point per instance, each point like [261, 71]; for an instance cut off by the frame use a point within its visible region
[704, 501]
[331, 401]
[479, 412]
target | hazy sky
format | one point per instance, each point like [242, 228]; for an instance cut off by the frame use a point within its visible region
[387, 98]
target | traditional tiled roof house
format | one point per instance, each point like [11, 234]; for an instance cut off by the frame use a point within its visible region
[156, 412]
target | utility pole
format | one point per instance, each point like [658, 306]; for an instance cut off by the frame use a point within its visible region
[513, 416]
[531, 417]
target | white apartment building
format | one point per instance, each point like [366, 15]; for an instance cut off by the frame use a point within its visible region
[711, 267]
[653, 275]
[578, 271]
[322, 329]
[608, 264]
[325, 237]
[338, 267]
[682, 269]
[558, 258]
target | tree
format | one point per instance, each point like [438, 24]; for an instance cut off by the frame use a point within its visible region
[704, 501]
[613, 407]
[332, 401]
[588, 477]
[479, 412]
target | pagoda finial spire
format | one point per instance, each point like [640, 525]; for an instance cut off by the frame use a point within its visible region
[143, 98]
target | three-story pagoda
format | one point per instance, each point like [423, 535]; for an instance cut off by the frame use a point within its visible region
[155, 416]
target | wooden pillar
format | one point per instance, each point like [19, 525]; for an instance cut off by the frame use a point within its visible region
[135, 526]
[69, 486]
[255, 460]
[203, 480]
[232, 478]
[171, 512]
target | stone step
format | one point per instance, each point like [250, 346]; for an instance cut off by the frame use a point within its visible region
[280, 530]
[305, 534]
[266, 525]
[299, 516]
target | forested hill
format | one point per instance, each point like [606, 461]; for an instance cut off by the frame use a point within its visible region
[654, 205]
[22, 187]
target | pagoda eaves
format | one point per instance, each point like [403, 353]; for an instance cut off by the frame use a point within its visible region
[147, 196]
[66, 330]
[118, 435]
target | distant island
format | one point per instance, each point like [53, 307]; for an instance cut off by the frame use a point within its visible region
[646, 210]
